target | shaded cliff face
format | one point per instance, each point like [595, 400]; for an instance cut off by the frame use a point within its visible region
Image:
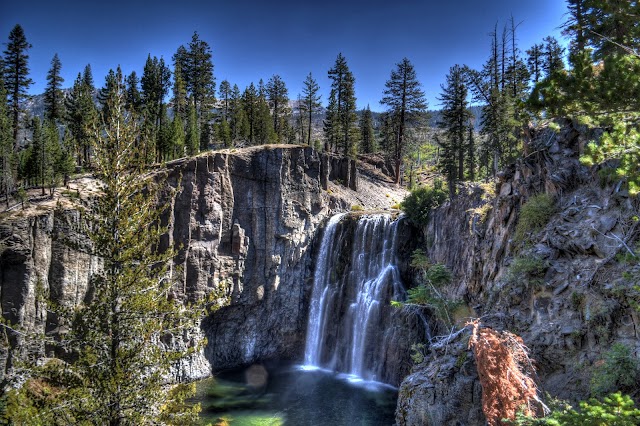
[243, 221]
[569, 311]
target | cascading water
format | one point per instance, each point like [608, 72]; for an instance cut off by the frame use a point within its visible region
[351, 328]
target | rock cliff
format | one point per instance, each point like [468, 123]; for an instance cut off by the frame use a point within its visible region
[243, 221]
[563, 288]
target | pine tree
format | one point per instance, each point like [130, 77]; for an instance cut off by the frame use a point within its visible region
[311, 102]
[155, 84]
[342, 119]
[576, 26]
[7, 158]
[179, 91]
[250, 107]
[118, 372]
[454, 120]
[193, 132]
[82, 115]
[553, 54]
[367, 138]
[235, 107]
[133, 99]
[406, 102]
[197, 70]
[225, 97]
[278, 98]
[263, 130]
[112, 79]
[53, 97]
[178, 136]
[535, 62]
[16, 75]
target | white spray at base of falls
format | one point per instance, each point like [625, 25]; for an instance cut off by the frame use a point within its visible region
[355, 279]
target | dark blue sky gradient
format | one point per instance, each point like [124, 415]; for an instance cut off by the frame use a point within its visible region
[256, 39]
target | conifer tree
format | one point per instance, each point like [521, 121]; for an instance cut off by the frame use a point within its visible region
[367, 138]
[81, 115]
[406, 102]
[179, 91]
[53, 97]
[7, 157]
[112, 79]
[311, 102]
[197, 71]
[263, 128]
[16, 75]
[178, 136]
[576, 26]
[133, 99]
[193, 132]
[535, 62]
[454, 120]
[340, 121]
[118, 372]
[250, 107]
[225, 97]
[278, 97]
[155, 84]
[235, 107]
[553, 54]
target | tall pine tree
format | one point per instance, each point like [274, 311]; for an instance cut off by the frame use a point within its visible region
[16, 75]
[311, 102]
[341, 116]
[278, 98]
[53, 97]
[406, 102]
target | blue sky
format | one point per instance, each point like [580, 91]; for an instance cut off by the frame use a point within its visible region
[255, 39]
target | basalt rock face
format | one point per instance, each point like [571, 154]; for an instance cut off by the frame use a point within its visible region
[561, 288]
[241, 222]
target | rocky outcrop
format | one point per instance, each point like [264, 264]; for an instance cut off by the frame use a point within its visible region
[569, 307]
[243, 221]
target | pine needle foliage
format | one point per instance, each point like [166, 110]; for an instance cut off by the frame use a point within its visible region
[505, 374]
[128, 334]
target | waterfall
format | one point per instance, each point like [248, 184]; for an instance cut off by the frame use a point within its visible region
[350, 325]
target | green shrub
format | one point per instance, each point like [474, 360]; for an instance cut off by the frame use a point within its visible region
[614, 410]
[421, 201]
[428, 293]
[528, 270]
[357, 208]
[534, 215]
[618, 371]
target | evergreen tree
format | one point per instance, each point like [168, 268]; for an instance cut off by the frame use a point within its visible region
[250, 107]
[7, 157]
[82, 115]
[311, 102]
[343, 117]
[454, 120]
[112, 80]
[535, 62]
[133, 98]
[178, 136]
[235, 106]
[155, 83]
[263, 130]
[197, 70]
[367, 138]
[118, 372]
[576, 26]
[406, 102]
[53, 97]
[553, 54]
[225, 97]
[278, 98]
[193, 132]
[179, 91]
[16, 75]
